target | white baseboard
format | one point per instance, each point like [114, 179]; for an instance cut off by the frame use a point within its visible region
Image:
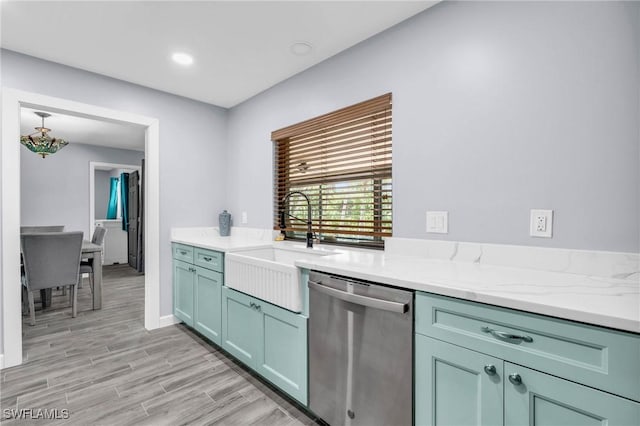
[168, 320]
[1, 361]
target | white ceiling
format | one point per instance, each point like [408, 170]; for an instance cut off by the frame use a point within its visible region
[240, 48]
[84, 130]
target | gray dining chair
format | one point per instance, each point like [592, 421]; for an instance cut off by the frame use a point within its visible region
[51, 259]
[86, 266]
[39, 229]
[46, 295]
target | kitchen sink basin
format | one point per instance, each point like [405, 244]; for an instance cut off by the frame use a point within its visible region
[270, 274]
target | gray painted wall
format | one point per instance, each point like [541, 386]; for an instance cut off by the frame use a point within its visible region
[102, 192]
[192, 142]
[498, 108]
[55, 190]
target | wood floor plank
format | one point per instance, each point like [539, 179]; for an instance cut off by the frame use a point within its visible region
[248, 413]
[43, 398]
[205, 379]
[230, 403]
[89, 397]
[42, 369]
[126, 355]
[273, 417]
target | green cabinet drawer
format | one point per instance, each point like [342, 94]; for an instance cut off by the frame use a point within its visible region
[209, 259]
[600, 358]
[538, 399]
[182, 252]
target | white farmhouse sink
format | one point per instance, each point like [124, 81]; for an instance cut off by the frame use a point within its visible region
[269, 273]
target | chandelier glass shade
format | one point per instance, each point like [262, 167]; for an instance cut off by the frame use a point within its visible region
[40, 142]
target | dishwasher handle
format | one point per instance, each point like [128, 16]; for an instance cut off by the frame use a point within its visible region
[371, 302]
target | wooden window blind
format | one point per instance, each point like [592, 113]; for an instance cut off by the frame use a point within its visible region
[342, 162]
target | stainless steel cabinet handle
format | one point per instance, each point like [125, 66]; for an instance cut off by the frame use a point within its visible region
[515, 379]
[503, 335]
[207, 259]
[192, 269]
[254, 306]
[183, 252]
[490, 369]
[372, 302]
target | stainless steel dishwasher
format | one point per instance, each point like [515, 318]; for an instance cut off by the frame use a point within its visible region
[360, 352]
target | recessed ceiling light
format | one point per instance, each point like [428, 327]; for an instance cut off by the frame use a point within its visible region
[301, 48]
[182, 58]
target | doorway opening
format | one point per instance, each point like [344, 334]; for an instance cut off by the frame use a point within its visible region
[123, 242]
[12, 102]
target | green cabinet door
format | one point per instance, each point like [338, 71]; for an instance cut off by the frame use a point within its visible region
[183, 281]
[456, 386]
[283, 353]
[241, 326]
[533, 398]
[208, 299]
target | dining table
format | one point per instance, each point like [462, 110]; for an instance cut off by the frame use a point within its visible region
[94, 251]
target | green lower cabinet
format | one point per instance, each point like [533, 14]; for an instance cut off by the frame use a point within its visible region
[269, 339]
[283, 355]
[183, 283]
[456, 386]
[208, 298]
[241, 326]
[197, 289]
[533, 398]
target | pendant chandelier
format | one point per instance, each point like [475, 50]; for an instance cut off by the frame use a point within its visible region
[40, 142]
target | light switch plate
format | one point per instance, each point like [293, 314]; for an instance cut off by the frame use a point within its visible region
[438, 222]
[244, 217]
[541, 223]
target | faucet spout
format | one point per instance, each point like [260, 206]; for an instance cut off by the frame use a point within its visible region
[308, 221]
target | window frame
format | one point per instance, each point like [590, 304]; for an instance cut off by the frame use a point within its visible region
[375, 113]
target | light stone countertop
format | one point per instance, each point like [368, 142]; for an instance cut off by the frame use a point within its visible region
[598, 288]
[599, 301]
[209, 238]
[224, 244]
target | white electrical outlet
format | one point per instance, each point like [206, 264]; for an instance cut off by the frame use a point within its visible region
[438, 222]
[244, 217]
[541, 223]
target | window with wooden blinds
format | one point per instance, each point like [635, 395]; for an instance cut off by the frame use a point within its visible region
[342, 162]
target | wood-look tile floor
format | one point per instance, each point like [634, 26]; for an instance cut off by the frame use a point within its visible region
[106, 369]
